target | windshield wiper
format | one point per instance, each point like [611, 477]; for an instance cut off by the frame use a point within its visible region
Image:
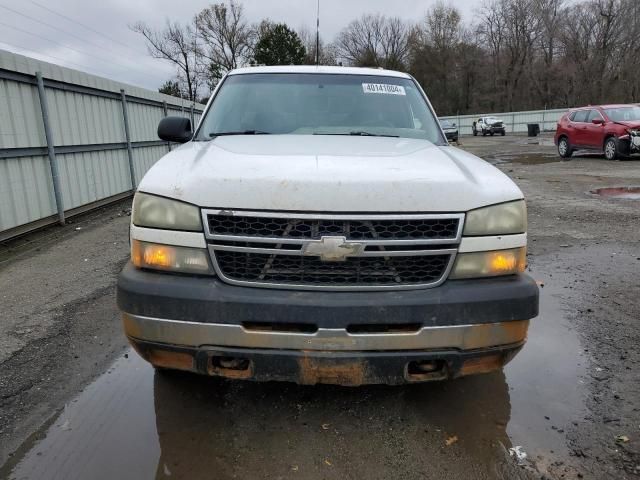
[243, 132]
[360, 133]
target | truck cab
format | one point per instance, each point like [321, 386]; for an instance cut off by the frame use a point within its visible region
[317, 227]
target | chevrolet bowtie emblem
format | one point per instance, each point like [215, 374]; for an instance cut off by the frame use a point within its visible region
[332, 249]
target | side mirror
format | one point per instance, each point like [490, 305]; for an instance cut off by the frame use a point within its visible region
[597, 121]
[454, 124]
[175, 129]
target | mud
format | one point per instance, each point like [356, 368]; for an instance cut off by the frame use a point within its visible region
[564, 399]
[627, 193]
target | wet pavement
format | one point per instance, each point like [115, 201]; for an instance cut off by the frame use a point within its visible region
[133, 422]
[565, 399]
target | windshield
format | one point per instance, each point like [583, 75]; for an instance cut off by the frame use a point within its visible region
[319, 104]
[446, 124]
[623, 114]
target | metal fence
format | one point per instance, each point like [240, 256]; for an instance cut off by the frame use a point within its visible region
[516, 122]
[70, 141]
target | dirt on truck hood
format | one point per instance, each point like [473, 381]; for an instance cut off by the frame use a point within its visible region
[328, 173]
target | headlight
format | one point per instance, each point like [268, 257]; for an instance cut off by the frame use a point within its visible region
[160, 212]
[169, 258]
[489, 264]
[502, 219]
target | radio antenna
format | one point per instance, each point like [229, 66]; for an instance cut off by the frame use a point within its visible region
[318, 35]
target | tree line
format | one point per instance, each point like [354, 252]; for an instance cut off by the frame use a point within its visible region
[514, 55]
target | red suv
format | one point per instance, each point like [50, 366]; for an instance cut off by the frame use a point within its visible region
[614, 129]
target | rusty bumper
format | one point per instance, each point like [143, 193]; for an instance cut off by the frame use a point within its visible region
[351, 338]
[332, 356]
[345, 368]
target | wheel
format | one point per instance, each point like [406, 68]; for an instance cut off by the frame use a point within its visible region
[611, 148]
[475, 132]
[484, 133]
[492, 132]
[564, 149]
[502, 133]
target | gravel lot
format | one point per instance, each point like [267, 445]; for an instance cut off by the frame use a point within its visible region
[75, 402]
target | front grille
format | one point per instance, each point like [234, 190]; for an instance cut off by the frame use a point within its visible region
[273, 227]
[357, 271]
[314, 251]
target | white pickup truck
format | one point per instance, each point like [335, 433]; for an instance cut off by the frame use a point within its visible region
[317, 227]
[488, 126]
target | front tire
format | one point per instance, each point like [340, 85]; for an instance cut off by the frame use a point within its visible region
[564, 149]
[491, 133]
[502, 133]
[484, 132]
[611, 151]
[475, 132]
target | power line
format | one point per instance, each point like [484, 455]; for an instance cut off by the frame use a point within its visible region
[62, 44]
[82, 25]
[84, 40]
[49, 25]
[85, 68]
[64, 60]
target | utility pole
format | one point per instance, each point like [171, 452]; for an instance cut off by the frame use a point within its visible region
[318, 35]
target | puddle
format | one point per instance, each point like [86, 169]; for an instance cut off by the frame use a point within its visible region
[546, 378]
[627, 193]
[531, 159]
[135, 423]
[544, 141]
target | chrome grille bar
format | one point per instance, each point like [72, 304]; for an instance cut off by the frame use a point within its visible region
[284, 258]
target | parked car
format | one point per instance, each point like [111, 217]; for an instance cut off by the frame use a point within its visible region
[488, 125]
[450, 130]
[317, 227]
[612, 129]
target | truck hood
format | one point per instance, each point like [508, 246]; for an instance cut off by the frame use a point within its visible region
[326, 173]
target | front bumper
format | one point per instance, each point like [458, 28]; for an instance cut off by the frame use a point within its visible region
[203, 325]
[451, 135]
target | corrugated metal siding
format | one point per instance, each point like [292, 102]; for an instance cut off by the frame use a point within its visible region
[20, 117]
[143, 121]
[26, 193]
[145, 157]
[90, 176]
[516, 122]
[76, 119]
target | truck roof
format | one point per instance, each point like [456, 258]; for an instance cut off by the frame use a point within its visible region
[320, 69]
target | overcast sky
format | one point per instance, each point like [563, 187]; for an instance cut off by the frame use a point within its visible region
[48, 30]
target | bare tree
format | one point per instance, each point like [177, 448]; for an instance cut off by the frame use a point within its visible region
[516, 54]
[176, 44]
[435, 54]
[593, 37]
[226, 38]
[375, 41]
[511, 29]
[328, 51]
[545, 68]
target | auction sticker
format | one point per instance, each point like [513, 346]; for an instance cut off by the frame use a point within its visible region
[383, 88]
